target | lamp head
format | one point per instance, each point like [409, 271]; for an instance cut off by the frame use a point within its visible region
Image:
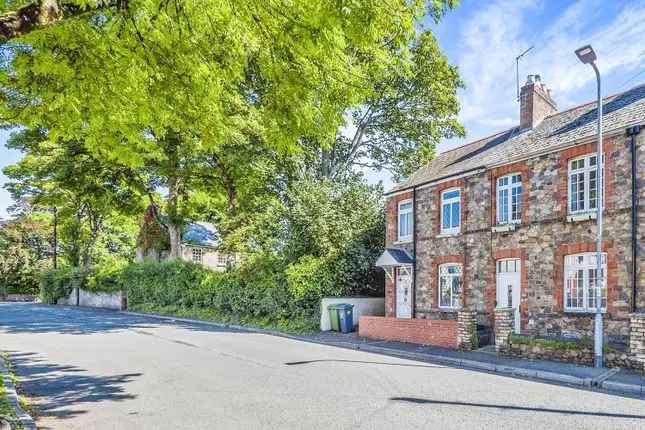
[586, 54]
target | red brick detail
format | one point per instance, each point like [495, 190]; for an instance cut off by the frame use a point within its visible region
[392, 216]
[491, 289]
[423, 331]
[577, 248]
[562, 192]
[439, 188]
[434, 283]
[390, 296]
[519, 167]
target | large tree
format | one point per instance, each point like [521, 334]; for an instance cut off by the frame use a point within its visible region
[89, 196]
[161, 85]
[407, 112]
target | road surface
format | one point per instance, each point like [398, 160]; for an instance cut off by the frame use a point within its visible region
[94, 369]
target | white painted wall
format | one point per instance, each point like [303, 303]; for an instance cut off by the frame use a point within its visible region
[210, 257]
[94, 300]
[374, 306]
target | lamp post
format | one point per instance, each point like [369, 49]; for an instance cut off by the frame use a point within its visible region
[587, 55]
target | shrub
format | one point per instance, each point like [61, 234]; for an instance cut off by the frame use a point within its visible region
[58, 283]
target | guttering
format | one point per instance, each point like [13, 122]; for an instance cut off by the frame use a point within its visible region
[435, 181]
[632, 132]
[414, 252]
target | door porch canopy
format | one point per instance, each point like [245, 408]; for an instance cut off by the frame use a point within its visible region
[392, 258]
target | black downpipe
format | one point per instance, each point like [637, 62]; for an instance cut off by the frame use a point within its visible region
[632, 132]
[414, 252]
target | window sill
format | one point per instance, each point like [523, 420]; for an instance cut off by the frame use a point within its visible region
[584, 216]
[402, 241]
[583, 312]
[448, 309]
[448, 234]
[504, 227]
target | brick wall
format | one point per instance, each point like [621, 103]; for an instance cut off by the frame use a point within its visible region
[426, 332]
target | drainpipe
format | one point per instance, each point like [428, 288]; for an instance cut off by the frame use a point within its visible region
[632, 132]
[414, 252]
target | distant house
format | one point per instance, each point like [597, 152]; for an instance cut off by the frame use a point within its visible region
[200, 244]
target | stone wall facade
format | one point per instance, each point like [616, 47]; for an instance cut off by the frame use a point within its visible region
[541, 241]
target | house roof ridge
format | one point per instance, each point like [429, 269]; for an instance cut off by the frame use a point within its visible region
[611, 96]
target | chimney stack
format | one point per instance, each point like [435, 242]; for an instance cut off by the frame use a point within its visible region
[535, 102]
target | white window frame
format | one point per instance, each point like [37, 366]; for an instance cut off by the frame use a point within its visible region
[409, 212]
[509, 188]
[197, 255]
[579, 268]
[222, 259]
[448, 278]
[449, 202]
[586, 172]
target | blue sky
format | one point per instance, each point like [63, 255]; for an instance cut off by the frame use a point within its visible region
[484, 37]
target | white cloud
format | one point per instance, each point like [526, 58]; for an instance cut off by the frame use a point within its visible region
[494, 34]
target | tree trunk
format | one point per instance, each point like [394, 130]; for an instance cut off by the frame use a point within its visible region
[174, 226]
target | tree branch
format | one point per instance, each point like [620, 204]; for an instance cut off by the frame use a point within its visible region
[42, 13]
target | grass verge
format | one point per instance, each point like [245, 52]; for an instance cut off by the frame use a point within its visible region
[293, 326]
[7, 412]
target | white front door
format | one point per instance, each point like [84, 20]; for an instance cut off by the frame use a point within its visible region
[403, 292]
[508, 287]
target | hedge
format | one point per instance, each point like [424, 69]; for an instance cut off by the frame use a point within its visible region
[261, 290]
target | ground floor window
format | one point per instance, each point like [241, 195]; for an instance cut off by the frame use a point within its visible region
[580, 282]
[197, 255]
[450, 285]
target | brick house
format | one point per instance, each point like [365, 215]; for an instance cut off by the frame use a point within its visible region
[509, 221]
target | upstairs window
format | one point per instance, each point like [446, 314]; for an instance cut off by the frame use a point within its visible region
[197, 255]
[450, 211]
[405, 221]
[580, 282]
[509, 199]
[450, 286]
[583, 184]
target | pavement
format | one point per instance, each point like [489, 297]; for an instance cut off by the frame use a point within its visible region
[95, 369]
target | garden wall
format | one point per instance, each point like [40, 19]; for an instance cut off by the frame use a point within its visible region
[630, 356]
[95, 300]
[363, 306]
[423, 331]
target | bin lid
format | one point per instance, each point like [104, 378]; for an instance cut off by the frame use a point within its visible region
[341, 306]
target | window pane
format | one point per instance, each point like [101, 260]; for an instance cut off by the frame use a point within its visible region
[456, 291]
[450, 195]
[502, 202]
[444, 292]
[446, 217]
[455, 218]
[405, 206]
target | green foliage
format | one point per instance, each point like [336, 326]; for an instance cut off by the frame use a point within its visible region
[58, 283]
[24, 250]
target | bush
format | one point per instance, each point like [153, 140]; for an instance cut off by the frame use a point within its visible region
[58, 283]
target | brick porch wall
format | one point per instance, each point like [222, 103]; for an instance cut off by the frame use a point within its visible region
[423, 331]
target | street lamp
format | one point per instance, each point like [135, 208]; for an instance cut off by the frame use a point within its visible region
[587, 55]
